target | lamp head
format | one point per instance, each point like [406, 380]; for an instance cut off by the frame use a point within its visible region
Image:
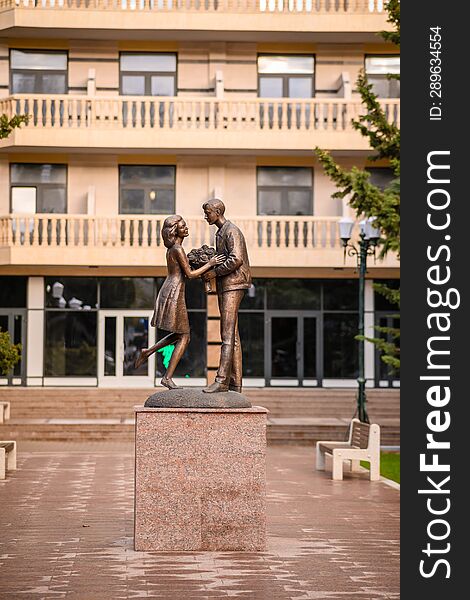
[372, 232]
[345, 229]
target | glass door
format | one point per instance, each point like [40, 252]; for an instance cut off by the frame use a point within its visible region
[121, 337]
[13, 321]
[292, 357]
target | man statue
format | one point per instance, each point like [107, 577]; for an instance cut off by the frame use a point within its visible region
[233, 277]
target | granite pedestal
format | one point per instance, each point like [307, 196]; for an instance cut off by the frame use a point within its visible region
[200, 479]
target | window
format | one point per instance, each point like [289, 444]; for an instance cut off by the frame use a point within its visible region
[285, 191]
[377, 69]
[148, 74]
[70, 344]
[37, 188]
[251, 327]
[127, 292]
[38, 72]
[342, 294]
[285, 76]
[293, 294]
[146, 190]
[76, 293]
[340, 345]
[13, 291]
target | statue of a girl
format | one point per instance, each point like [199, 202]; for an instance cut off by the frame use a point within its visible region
[170, 312]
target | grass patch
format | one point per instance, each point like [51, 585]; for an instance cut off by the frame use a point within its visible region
[389, 465]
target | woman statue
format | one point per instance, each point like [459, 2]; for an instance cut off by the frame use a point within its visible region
[170, 312]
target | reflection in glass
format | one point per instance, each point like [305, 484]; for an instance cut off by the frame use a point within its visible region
[285, 176]
[291, 294]
[285, 191]
[300, 87]
[12, 292]
[110, 346]
[288, 63]
[195, 294]
[340, 346]
[378, 70]
[310, 348]
[270, 87]
[25, 173]
[127, 292]
[255, 296]
[251, 327]
[136, 330]
[38, 61]
[387, 372]
[148, 62]
[70, 344]
[17, 332]
[133, 85]
[77, 293]
[162, 85]
[284, 347]
[383, 65]
[146, 189]
[380, 301]
[340, 294]
[49, 181]
[194, 361]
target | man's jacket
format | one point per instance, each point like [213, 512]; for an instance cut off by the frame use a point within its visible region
[234, 273]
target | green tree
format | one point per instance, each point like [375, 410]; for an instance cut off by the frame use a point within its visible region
[10, 353]
[367, 199]
[7, 125]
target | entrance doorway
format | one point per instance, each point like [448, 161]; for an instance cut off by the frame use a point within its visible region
[294, 353]
[121, 336]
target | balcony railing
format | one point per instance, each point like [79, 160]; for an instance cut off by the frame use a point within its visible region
[136, 231]
[205, 122]
[305, 7]
[136, 240]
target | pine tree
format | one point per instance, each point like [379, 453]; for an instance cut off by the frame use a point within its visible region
[367, 199]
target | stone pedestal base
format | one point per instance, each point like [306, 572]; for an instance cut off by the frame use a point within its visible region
[200, 479]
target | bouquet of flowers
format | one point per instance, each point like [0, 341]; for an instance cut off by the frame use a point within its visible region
[198, 257]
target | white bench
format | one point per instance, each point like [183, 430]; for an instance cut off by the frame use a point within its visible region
[4, 411]
[363, 444]
[7, 458]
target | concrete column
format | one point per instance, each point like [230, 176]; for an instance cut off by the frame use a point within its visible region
[35, 331]
[369, 355]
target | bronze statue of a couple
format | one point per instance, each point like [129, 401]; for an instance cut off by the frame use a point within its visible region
[230, 268]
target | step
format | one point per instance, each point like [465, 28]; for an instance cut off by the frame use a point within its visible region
[101, 404]
[280, 430]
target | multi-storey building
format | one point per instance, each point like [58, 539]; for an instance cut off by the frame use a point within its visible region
[144, 108]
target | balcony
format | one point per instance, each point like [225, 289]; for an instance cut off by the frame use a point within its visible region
[247, 20]
[135, 241]
[89, 123]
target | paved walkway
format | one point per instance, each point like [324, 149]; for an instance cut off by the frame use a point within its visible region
[66, 519]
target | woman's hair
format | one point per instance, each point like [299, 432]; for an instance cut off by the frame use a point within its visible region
[169, 228]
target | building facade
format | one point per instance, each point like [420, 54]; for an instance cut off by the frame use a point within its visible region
[144, 108]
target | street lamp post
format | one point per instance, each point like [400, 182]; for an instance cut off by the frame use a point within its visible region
[368, 239]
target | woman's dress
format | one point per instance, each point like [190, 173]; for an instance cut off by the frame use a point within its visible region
[170, 312]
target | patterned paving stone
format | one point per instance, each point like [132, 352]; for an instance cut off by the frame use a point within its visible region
[66, 531]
